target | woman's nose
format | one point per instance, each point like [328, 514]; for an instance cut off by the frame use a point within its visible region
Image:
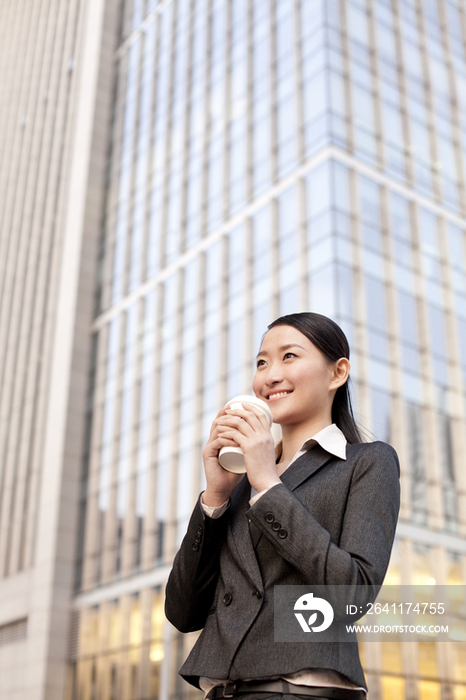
[274, 375]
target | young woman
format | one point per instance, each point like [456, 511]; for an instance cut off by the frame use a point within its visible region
[321, 508]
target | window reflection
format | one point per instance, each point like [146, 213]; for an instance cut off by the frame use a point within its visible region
[109, 414]
[344, 276]
[381, 428]
[261, 107]
[212, 319]
[323, 291]
[418, 480]
[286, 98]
[118, 655]
[319, 191]
[288, 251]
[262, 268]
[166, 401]
[449, 488]
[375, 297]
[236, 308]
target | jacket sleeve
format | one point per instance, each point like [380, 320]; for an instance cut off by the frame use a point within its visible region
[191, 585]
[362, 554]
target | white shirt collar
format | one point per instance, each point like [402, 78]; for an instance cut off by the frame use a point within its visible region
[330, 438]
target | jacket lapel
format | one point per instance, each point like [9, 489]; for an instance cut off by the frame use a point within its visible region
[239, 526]
[305, 466]
[296, 474]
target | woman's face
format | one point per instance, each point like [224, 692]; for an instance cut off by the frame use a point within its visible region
[295, 378]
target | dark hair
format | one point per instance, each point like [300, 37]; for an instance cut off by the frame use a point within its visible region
[328, 337]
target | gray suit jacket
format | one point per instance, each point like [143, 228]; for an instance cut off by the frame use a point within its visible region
[337, 522]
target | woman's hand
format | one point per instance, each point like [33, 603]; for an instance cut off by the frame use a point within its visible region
[220, 483]
[248, 428]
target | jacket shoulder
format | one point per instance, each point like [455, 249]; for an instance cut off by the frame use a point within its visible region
[376, 451]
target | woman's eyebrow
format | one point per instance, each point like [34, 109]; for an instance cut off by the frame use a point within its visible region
[281, 348]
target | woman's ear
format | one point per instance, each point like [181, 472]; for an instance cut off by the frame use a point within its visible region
[341, 370]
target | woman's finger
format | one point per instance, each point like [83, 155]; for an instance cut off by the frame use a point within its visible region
[214, 422]
[223, 441]
[254, 417]
[260, 415]
[237, 423]
[232, 436]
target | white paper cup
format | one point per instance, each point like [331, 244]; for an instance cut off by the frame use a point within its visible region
[232, 458]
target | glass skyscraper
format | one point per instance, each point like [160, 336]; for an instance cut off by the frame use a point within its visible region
[269, 157]
[265, 157]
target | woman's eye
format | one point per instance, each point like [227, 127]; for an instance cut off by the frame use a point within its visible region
[289, 354]
[260, 363]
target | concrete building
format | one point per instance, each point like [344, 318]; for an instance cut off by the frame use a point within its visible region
[175, 175]
[54, 121]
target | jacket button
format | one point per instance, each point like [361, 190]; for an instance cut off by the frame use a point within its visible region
[258, 594]
[276, 526]
[197, 538]
[283, 533]
[195, 546]
[199, 530]
[269, 517]
[227, 598]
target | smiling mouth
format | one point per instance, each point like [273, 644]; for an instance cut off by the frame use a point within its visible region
[278, 395]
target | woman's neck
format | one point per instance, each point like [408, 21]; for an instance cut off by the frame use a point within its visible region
[293, 437]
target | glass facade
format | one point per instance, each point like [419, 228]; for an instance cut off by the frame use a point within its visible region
[268, 157]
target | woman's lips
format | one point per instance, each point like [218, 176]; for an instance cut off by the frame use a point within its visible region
[278, 395]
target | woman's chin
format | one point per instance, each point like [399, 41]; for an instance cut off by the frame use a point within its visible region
[281, 417]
